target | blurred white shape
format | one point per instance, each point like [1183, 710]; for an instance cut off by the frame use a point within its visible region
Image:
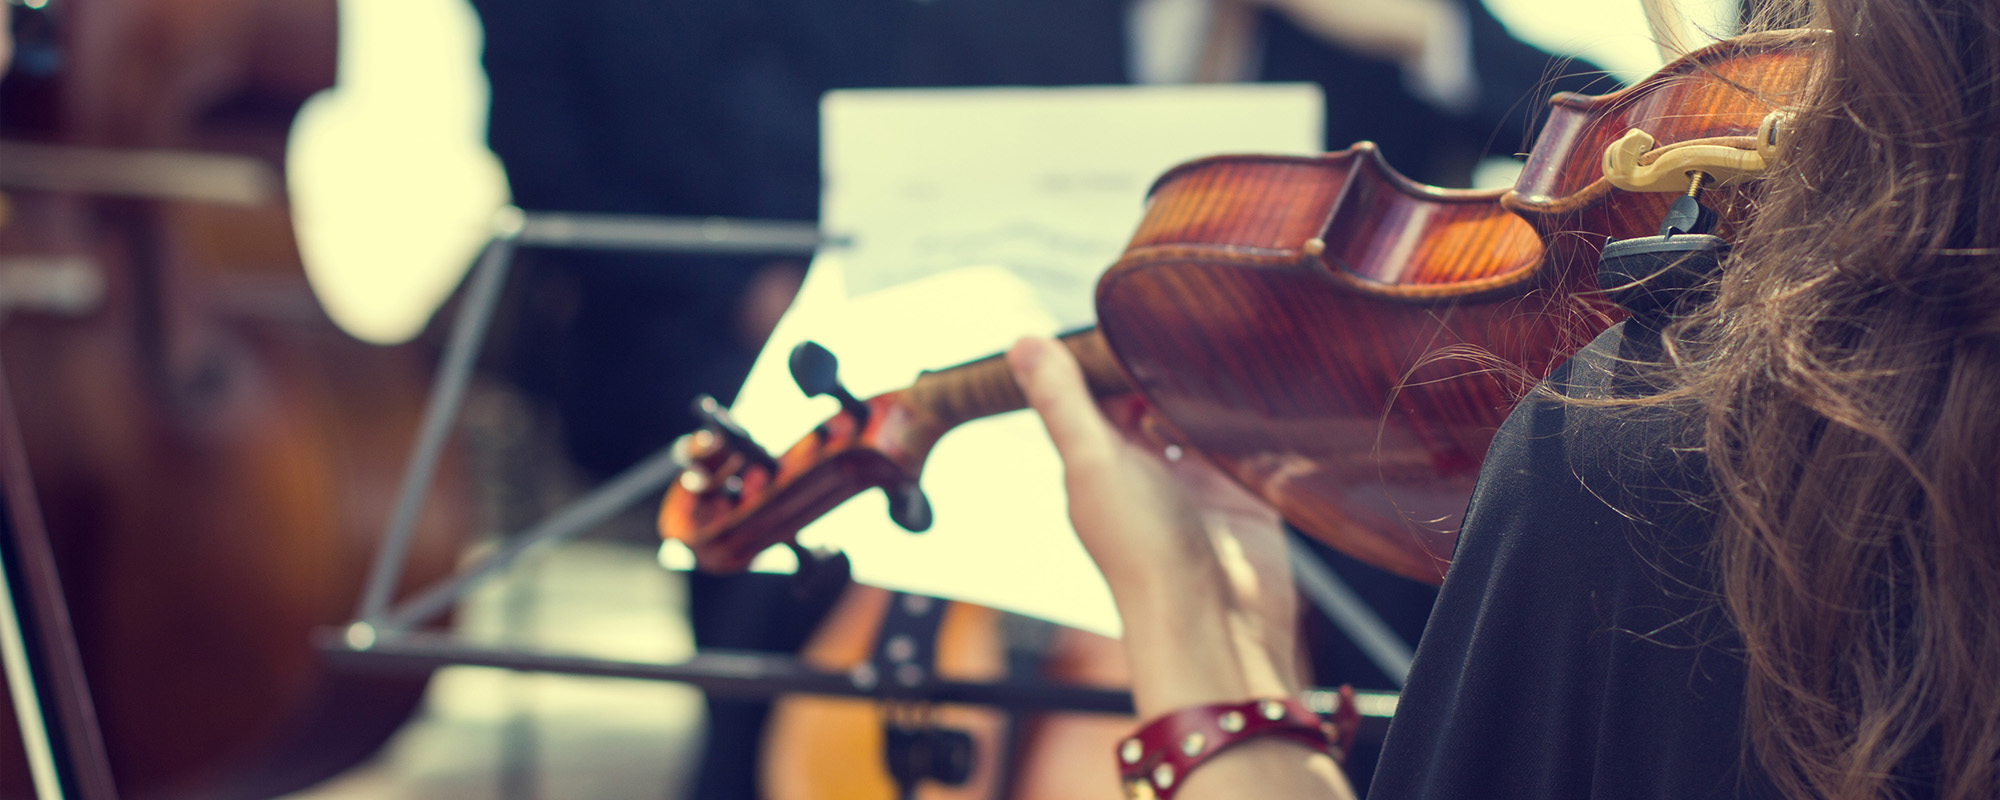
[1614, 35]
[1167, 38]
[776, 561]
[675, 556]
[1496, 172]
[392, 187]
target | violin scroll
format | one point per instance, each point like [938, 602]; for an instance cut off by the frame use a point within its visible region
[735, 499]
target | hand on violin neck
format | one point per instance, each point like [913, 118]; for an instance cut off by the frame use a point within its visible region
[1198, 567]
[1196, 564]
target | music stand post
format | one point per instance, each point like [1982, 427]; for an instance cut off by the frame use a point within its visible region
[384, 637]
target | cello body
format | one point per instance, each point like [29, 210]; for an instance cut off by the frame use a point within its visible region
[213, 458]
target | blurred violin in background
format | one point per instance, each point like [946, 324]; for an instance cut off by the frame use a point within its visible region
[213, 457]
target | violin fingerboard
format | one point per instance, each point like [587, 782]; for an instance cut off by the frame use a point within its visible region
[983, 388]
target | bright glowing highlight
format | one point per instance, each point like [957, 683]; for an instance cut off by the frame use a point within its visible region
[392, 187]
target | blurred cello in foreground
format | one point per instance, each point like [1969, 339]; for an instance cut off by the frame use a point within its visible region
[213, 457]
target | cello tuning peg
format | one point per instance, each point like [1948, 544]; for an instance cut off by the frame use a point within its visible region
[817, 372]
[908, 507]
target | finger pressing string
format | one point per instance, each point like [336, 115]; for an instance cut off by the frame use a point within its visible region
[1053, 384]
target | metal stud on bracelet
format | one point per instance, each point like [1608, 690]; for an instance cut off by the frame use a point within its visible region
[1230, 722]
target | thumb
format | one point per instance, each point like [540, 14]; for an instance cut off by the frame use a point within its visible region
[1053, 385]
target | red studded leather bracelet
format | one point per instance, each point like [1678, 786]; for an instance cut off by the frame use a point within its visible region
[1156, 758]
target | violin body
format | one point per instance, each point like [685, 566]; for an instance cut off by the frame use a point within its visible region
[1319, 388]
[1345, 342]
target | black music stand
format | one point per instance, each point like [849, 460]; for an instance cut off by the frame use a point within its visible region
[45, 677]
[385, 637]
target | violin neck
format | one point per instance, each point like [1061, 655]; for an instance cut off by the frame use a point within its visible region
[983, 388]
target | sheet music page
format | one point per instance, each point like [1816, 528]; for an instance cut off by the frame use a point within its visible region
[1048, 183]
[976, 217]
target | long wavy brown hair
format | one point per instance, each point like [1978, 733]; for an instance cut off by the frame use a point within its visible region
[1849, 372]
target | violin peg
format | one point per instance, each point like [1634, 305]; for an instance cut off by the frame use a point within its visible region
[815, 369]
[720, 431]
[817, 372]
[694, 481]
[908, 507]
[694, 447]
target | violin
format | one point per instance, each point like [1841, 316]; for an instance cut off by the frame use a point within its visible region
[212, 457]
[1339, 339]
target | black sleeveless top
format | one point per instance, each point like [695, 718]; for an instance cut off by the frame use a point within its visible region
[1578, 648]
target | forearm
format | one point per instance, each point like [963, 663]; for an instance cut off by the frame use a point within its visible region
[1199, 568]
[1188, 646]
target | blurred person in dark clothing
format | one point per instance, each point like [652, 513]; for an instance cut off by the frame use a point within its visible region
[1438, 97]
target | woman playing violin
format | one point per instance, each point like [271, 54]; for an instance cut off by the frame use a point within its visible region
[1752, 550]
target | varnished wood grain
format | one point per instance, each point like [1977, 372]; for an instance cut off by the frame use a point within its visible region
[1357, 387]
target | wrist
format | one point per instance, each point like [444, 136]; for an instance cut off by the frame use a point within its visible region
[1190, 646]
